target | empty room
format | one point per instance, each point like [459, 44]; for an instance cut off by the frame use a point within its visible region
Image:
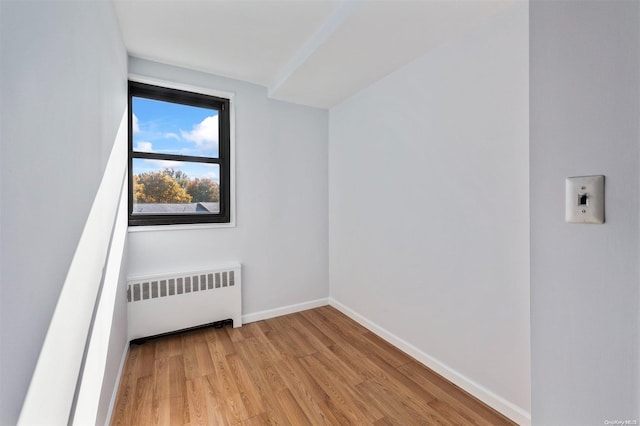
[308, 212]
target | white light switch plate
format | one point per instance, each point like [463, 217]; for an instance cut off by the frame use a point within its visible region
[585, 199]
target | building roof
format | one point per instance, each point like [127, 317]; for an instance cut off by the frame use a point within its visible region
[176, 208]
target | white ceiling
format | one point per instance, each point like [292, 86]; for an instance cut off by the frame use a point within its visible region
[311, 52]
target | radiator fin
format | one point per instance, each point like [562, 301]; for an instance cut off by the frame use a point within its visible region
[140, 291]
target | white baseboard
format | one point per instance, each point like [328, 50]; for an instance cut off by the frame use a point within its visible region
[496, 402]
[116, 387]
[284, 310]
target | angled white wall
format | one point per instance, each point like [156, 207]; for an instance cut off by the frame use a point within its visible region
[428, 208]
[585, 97]
[63, 93]
[281, 201]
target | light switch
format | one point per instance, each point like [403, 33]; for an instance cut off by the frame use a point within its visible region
[585, 199]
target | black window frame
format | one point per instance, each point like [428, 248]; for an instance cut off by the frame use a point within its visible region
[222, 105]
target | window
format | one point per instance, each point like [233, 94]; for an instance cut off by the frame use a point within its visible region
[179, 149]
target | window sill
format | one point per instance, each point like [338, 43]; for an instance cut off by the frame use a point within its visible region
[185, 227]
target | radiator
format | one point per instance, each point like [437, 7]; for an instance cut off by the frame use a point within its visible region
[174, 302]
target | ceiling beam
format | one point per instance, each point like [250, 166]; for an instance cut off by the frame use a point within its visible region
[332, 24]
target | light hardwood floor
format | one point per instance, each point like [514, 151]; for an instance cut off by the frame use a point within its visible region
[310, 368]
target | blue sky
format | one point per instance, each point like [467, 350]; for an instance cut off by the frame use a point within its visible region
[165, 127]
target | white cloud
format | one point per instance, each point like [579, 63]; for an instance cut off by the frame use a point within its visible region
[204, 134]
[213, 176]
[144, 147]
[172, 136]
[165, 163]
[135, 125]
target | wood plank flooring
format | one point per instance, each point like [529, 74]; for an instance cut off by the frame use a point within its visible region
[316, 367]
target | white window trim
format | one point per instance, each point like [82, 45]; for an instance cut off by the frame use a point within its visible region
[232, 149]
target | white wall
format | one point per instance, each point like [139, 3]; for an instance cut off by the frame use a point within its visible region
[585, 82]
[63, 92]
[281, 232]
[428, 208]
[116, 349]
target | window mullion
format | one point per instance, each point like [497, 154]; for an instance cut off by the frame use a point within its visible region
[174, 157]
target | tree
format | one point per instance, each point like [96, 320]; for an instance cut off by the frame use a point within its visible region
[204, 190]
[178, 175]
[158, 187]
[138, 188]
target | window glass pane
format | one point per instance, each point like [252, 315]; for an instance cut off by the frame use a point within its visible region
[168, 128]
[175, 187]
